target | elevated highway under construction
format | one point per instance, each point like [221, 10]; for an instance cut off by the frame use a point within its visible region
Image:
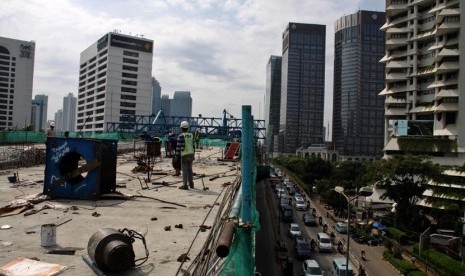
[129, 217]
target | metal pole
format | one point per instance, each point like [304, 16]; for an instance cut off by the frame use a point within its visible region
[225, 240]
[348, 236]
[247, 172]
[247, 161]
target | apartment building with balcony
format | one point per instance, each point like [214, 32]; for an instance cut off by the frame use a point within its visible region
[425, 79]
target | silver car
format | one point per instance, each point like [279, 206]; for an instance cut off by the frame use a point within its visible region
[294, 230]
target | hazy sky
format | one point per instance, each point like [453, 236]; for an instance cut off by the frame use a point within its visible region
[216, 49]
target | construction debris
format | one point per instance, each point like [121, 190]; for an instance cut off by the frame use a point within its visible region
[183, 258]
[24, 266]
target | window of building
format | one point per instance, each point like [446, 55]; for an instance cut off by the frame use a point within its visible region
[450, 118]
[127, 112]
[128, 97]
[127, 82]
[131, 54]
[129, 75]
[131, 61]
[130, 68]
[128, 89]
[127, 104]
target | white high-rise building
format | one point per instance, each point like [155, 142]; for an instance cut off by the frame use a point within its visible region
[16, 77]
[59, 120]
[69, 113]
[115, 79]
[425, 79]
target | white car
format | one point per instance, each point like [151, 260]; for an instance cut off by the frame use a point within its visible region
[323, 241]
[341, 227]
[311, 268]
[298, 197]
[300, 205]
[281, 193]
[294, 230]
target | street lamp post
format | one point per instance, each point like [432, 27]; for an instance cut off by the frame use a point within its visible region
[364, 191]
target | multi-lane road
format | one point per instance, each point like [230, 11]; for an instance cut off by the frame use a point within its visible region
[272, 225]
[268, 239]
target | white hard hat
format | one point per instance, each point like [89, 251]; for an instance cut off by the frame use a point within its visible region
[184, 124]
[52, 124]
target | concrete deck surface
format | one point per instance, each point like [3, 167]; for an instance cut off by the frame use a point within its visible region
[145, 215]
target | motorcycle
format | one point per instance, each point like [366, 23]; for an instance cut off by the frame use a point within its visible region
[312, 245]
[363, 255]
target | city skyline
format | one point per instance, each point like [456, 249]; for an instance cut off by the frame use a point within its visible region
[221, 73]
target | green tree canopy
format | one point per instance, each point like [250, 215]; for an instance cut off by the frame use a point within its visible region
[405, 178]
[349, 175]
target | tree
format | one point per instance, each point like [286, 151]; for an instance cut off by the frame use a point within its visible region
[29, 128]
[349, 175]
[316, 169]
[405, 178]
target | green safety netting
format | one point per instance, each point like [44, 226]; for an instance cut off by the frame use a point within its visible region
[12, 137]
[241, 258]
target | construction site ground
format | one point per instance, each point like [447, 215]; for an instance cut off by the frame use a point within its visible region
[147, 207]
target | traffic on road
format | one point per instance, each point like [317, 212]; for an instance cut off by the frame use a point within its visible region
[312, 243]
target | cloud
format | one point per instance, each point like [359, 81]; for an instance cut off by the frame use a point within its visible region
[218, 50]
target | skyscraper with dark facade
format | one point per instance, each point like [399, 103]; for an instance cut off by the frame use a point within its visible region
[165, 104]
[39, 108]
[272, 101]
[181, 104]
[302, 86]
[156, 96]
[358, 111]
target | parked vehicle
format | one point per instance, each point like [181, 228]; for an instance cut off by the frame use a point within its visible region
[358, 239]
[341, 227]
[301, 248]
[309, 219]
[294, 230]
[311, 268]
[339, 267]
[323, 241]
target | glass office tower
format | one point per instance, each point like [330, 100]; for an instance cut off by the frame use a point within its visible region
[358, 111]
[302, 86]
[273, 101]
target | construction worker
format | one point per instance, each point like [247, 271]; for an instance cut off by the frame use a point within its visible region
[176, 162]
[145, 136]
[167, 150]
[51, 131]
[197, 139]
[185, 149]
